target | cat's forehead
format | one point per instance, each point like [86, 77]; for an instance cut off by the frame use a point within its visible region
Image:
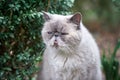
[57, 25]
[58, 22]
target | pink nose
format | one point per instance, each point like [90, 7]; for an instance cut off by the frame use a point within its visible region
[56, 43]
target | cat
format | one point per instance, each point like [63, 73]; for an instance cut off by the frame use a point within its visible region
[71, 52]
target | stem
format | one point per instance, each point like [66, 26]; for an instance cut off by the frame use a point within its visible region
[48, 5]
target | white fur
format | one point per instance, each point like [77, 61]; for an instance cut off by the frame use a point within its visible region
[82, 63]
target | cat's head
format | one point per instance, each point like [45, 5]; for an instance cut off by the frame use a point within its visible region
[60, 31]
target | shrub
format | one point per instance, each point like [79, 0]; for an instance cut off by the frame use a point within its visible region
[111, 65]
[20, 35]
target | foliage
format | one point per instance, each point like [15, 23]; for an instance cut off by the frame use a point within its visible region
[20, 35]
[117, 4]
[111, 65]
[109, 12]
[106, 12]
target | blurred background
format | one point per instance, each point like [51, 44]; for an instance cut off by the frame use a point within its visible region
[21, 44]
[102, 18]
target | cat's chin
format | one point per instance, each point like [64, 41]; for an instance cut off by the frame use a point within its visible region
[57, 46]
[64, 49]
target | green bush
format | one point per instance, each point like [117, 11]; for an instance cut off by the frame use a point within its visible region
[111, 65]
[20, 35]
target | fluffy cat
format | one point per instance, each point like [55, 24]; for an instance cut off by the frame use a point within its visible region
[71, 52]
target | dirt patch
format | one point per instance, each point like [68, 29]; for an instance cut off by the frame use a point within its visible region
[107, 42]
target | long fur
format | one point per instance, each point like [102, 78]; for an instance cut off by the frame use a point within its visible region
[77, 55]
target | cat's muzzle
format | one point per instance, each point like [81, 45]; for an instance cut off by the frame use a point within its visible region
[56, 43]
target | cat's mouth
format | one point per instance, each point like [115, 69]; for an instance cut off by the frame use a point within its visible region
[55, 43]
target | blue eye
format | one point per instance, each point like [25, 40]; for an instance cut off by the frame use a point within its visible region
[49, 32]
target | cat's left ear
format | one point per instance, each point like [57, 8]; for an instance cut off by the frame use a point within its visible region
[76, 18]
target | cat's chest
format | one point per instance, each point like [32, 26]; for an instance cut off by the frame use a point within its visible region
[67, 67]
[65, 63]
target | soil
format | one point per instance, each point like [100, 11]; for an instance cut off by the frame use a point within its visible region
[106, 38]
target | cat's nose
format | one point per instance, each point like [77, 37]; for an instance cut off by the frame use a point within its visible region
[56, 35]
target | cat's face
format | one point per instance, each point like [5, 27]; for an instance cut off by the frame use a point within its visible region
[61, 32]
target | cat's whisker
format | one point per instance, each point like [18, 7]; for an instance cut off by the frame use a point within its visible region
[65, 61]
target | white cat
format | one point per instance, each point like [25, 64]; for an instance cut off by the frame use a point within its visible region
[71, 52]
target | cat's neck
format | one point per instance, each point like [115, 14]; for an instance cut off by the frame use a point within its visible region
[63, 53]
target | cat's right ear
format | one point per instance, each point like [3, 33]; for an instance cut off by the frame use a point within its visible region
[46, 16]
[76, 18]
